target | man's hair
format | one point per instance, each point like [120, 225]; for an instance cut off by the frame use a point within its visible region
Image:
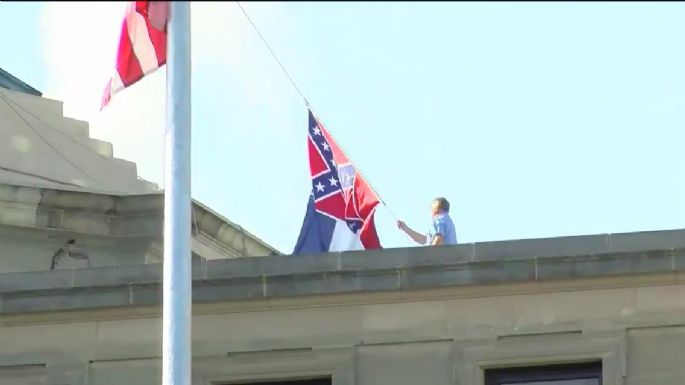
[443, 204]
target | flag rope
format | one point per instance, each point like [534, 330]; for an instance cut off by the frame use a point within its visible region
[273, 54]
[306, 101]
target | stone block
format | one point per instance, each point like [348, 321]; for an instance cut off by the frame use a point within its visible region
[126, 371]
[380, 280]
[405, 257]
[331, 283]
[11, 282]
[130, 338]
[228, 290]
[146, 295]
[660, 299]
[678, 260]
[24, 374]
[656, 352]
[150, 204]
[647, 240]
[65, 300]
[137, 225]
[602, 265]
[271, 266]
[68, 373]
[467, 274]
[530, 248]
[402, 322]
[52, 344]
[417, 363]
[118, 275]
[101, 147]
[374, 280]
[310, 284]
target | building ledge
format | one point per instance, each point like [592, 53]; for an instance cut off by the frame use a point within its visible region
[389, 270]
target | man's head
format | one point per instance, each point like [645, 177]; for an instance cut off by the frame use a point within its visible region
[440, 205]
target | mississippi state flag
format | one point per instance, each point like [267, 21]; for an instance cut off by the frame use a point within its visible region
[142, 45]
[341, 205]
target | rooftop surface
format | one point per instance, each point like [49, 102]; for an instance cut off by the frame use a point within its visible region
[389, 270]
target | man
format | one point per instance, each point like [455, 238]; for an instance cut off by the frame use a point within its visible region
[442, 231]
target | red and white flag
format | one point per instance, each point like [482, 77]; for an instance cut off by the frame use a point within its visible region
[142, 45]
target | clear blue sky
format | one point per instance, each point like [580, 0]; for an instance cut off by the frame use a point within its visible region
[533, 119]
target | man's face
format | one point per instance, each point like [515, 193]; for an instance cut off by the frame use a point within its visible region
[435, 208]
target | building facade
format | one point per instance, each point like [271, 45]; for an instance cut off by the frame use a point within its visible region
[605, 309]
[80, 290]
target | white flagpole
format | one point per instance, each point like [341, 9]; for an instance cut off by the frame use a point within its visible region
[177, 285]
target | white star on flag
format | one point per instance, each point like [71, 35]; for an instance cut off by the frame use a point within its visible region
[319, 187]
[334, 182]
[325, 146]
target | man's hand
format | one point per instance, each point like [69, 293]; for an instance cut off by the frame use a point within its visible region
[418, 238]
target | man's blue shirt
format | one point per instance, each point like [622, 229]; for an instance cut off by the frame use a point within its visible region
[443, 225]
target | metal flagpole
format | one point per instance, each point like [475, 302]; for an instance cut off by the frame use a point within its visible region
[177, 285]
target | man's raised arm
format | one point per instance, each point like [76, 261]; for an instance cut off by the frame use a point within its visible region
[418, 238]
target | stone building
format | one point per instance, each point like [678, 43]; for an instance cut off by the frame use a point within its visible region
[62, 190]
[599, 309]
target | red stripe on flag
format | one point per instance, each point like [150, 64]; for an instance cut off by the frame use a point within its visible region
[142, 7]
[368, 234]
[366, 198]
[158, 13]
[128, 66]
[156, 17]
[159, 42]
[316, 163]
[333, 205]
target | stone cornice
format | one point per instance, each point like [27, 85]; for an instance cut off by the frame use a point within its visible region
[620, 259]
[97, 213]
